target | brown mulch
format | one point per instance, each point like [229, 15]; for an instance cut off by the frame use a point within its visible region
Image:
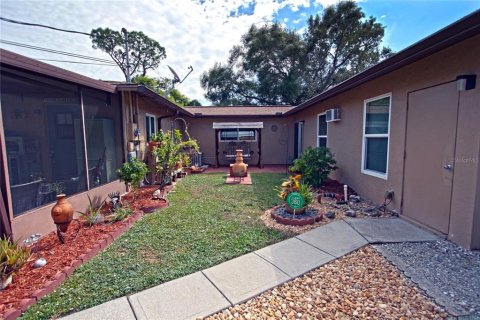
[361, 285]
[78, 239]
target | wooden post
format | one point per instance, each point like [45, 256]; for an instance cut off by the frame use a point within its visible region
[216, 149]
[259, 148]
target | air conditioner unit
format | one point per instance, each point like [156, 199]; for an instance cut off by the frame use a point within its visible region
[333, 115]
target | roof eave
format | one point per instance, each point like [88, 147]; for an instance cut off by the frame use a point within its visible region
[143, 90]
[17, 61]
[463, 29]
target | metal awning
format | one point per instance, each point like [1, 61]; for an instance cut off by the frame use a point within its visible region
[237, 125]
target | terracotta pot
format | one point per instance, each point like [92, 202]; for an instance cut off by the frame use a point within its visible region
[62, 212]
[152, 145]
[297, 211]
[239, 168]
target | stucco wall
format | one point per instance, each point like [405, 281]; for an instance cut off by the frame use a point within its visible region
[147, 106]
[39, 220]
[275, 143]
[345, 136]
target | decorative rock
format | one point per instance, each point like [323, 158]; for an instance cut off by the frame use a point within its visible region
[354, 198]
[330, 214]
[40, 263]
[350, 213]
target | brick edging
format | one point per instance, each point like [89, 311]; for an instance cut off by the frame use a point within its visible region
[49, 286]
[294, 222]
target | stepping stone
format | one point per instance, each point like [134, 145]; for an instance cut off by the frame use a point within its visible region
[245, 277]
[384, 230]
[336, 238]
[294, 257]
[189, 297]
[118, 309]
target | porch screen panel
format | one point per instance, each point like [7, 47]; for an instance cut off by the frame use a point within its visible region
[103, 132]
[43, 137]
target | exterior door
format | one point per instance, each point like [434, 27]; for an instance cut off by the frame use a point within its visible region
[430, 149]
[298, 141]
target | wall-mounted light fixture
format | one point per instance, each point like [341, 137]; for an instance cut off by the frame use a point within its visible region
[466, 82]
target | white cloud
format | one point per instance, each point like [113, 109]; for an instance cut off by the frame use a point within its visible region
[296, 21]
[383, 16]
[192, 32]
[195, 32]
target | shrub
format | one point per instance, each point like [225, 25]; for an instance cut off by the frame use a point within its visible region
[12, 257]
[315, 164]
[132, 173]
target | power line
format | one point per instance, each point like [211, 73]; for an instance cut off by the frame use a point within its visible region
[79, 62]
[42, 26]
[23, 45]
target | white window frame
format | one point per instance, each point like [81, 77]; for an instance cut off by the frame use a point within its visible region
[382, 135]
[318, 127]
[237, 140]
[147, 116]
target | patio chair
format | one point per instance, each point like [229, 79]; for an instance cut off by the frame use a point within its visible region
[24, 196]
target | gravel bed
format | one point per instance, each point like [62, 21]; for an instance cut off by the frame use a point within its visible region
[447, 272]
[328, 205]
[361, 285]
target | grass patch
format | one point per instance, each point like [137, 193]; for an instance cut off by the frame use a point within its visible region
[207, 222]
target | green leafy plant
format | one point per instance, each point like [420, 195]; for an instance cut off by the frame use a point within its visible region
[12, 257]
[294, 184]
[121, 213]
[132, 173]
[93, 214]
[315, 164]
[306, 191]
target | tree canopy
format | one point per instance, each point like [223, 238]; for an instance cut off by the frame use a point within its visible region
[164, 87]
[273, 65]
[144, 52]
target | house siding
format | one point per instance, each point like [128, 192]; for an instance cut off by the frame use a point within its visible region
[345, 136]
[277, 146]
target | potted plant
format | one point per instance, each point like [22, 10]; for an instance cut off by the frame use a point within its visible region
[132, 173]
[12, 258]
[297, 195]
[155, 141]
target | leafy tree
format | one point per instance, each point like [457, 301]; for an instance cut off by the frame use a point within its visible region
[163, 86]
[132, 173]
[273, 65]
[144, 52]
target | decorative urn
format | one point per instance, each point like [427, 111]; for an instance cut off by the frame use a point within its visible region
[62, 212]
[239, 168]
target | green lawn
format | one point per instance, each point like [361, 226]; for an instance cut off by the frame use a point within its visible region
[206, 223]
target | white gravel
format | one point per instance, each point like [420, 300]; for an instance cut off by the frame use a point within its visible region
[447, 272]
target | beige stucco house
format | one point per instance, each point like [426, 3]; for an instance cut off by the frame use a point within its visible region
[410, 124]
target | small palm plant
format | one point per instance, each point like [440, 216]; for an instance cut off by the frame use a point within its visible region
[93, 214]
[12, 257]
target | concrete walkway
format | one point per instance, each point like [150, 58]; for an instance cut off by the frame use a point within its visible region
[209, 291]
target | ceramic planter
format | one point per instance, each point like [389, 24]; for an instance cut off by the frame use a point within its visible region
[62, 212]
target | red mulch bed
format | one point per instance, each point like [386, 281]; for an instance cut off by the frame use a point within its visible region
[82, 242]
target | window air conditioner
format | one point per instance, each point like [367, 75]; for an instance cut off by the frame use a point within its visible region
[333, 115]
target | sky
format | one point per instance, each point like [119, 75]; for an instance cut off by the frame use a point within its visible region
[199, 32]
